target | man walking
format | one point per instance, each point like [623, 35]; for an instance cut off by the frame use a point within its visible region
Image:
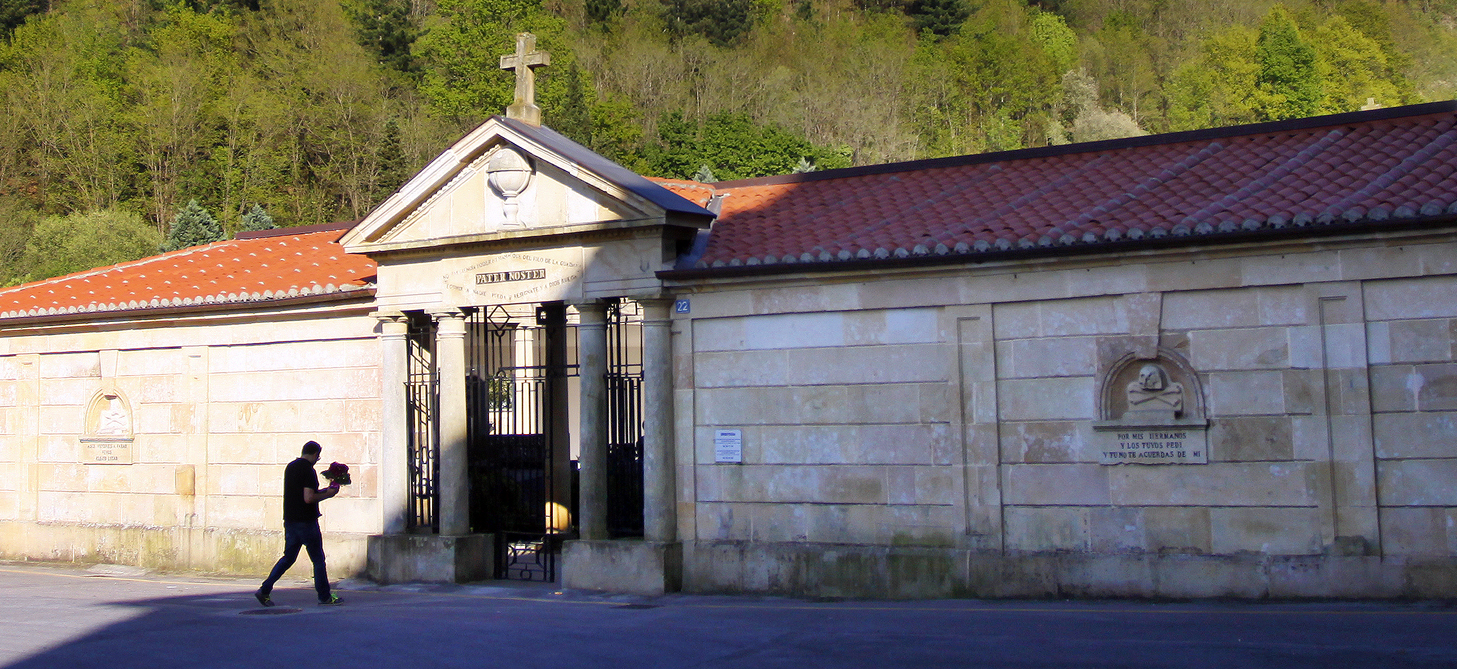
[301, 497]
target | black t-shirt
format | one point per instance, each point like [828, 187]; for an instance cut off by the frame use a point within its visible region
[298, 475]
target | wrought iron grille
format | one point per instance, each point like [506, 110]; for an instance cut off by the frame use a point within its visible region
[624, 420]
[515, 388]
[422, 397]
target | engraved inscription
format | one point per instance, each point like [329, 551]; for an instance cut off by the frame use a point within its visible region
[515, 275]
[1151, 447]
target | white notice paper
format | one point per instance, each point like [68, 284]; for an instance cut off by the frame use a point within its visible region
[728, 446]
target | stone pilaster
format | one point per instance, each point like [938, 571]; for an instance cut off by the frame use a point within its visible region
[592, 358]
[454, 484]
[394, 443]
[660, 519]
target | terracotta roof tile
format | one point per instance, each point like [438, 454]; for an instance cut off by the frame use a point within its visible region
[1366, 167]
[258, 269]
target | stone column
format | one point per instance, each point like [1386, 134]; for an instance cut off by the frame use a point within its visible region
[394, 457]
[660, 518]
[592, 360]
[453, 488]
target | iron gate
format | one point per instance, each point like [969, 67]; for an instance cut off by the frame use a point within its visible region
[624, 420]
[523, 482]
[517, 368]
[422, 396]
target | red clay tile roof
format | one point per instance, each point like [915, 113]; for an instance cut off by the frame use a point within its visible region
[1381, 167]
[697, 193]
[282, 264]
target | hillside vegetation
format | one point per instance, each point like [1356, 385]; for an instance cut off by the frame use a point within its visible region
[131, 126]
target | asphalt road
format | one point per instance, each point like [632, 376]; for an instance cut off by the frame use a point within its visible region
[65, 617]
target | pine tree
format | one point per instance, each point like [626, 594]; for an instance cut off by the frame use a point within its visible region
[14, 13]
[574, 118]
[603, 11]
[392, 170]
[192, 226]
[704, 175]
[940, 17]
[256, 219]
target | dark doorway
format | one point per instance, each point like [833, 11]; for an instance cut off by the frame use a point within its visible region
[519, 360]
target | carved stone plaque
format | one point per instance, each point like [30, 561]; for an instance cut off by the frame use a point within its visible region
[1162, 445]
[1152, 414]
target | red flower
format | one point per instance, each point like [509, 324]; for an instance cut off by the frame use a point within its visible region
[337, 473]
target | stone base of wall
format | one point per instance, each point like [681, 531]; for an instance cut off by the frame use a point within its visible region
[821, 570]
[402, 558]
[625, 566]
[211, 550]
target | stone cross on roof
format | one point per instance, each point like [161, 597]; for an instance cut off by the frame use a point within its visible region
[524, 62]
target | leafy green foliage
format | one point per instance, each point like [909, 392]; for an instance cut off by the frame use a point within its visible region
[1056, 39]
[192, 226]
[76, 242]
[463, 80]
[17, 219]
[731, 146]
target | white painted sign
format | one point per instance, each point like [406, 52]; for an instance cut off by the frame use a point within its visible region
[728, 446]
[1154, 446]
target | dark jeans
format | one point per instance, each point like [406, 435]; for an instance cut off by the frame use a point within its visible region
[305, 535]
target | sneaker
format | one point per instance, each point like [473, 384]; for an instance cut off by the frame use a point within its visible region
[263, 598]
[333, 600]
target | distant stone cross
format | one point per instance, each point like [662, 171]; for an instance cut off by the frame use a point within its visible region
[524, 62]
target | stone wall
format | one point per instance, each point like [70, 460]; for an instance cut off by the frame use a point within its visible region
[932, 432]
[214, 409]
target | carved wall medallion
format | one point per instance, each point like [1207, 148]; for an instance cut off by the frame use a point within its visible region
[1151, 411]
[108, 429]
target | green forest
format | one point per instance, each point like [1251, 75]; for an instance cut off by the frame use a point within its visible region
[134, 126]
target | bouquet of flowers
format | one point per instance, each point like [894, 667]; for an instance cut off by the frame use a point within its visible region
[337, 473]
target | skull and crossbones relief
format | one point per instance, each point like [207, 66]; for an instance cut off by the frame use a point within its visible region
[1154, 392]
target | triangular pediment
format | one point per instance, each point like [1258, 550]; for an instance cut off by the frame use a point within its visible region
[508, 180]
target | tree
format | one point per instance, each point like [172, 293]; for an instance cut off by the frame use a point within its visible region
[17, 219]
[192, 226]
[939, 17]
[1056, 38]
[1353, 68]
[15, 12]
[1218, 87]
[723, 22]
[731, 146]
[387, 28]
[462, 79]
[76, 242]
[256, 219]
[1289, 78]
[574, 117]
[603, 11]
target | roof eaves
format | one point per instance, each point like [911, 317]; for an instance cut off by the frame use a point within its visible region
[1067, 246]
[170, 308]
